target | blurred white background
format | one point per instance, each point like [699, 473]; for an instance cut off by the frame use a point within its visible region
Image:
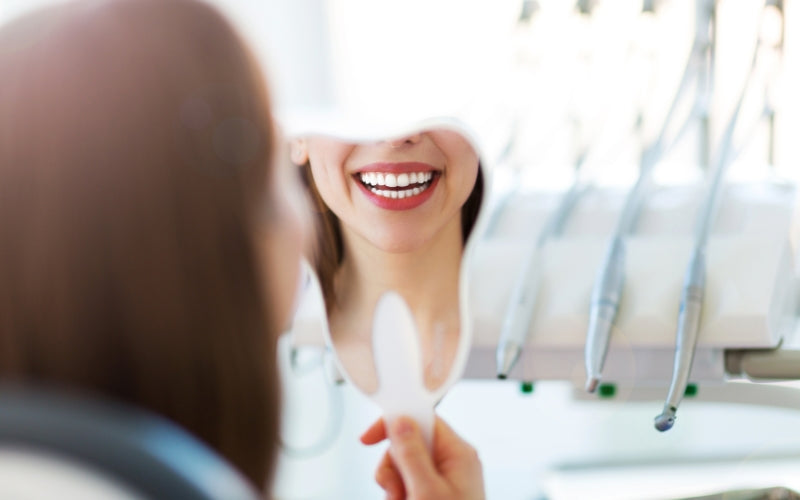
[541, 81]
[553, 78]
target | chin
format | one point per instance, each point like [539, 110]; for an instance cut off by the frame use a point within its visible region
[400, 242]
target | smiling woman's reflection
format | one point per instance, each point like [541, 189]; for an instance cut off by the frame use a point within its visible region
[393, 215]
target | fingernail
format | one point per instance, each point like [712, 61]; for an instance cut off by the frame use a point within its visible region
[403, 427]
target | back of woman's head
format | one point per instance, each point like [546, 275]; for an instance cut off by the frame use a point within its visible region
[135, 152]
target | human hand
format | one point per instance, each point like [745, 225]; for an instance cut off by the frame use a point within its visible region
[409, 471]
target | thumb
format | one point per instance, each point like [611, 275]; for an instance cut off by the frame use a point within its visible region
[411, 457]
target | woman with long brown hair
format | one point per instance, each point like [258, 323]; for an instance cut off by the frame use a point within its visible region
[137, 206]
[148, 248]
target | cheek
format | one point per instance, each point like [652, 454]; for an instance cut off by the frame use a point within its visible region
[334, 191]
[467, 179]
[328, 159]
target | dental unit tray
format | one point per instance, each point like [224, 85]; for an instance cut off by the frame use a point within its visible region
[750, 303]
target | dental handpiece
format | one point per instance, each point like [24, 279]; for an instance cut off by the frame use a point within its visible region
[694, 291]
[606, 296]
[608, 286]
[517, 320]
[695, 278]
[607, 291]
[519, 314]
[688, 328]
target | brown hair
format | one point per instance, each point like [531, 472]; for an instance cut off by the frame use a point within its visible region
[135, 153]
[328, 249]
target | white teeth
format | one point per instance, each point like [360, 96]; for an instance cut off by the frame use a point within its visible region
[395, 180]
[399, 194]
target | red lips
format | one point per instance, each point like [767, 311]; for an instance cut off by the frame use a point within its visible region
[378, 192]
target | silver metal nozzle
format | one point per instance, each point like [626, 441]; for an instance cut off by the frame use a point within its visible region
[666, 420]
[606, 296]
[686, 336]
[506, 359]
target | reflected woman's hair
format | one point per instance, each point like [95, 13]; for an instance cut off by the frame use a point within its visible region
[328, 249]
[136, 149]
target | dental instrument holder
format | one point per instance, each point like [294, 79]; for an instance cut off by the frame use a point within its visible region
[751, 283]
[751, 301]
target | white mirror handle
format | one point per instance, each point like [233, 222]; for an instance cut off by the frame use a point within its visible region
[398, 364]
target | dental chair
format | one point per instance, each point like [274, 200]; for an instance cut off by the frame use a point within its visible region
[54, 445]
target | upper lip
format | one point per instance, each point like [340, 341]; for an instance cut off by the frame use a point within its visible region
[405, 167]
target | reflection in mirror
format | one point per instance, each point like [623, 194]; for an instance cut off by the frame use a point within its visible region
[392, 214]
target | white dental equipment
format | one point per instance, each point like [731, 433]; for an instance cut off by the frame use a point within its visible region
[694, 282]
[607, 291]
[608, 286]
[523, 299]
[521, 307]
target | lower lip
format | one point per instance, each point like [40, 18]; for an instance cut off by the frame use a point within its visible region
[406, 203]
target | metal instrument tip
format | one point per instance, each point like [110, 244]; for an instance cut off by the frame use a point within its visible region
[507, 359]
[666, 420]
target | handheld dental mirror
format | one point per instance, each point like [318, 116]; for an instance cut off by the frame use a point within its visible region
[403, 208]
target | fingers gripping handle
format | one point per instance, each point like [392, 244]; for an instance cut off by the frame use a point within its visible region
[424, 417]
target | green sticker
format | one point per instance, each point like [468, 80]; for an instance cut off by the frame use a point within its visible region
[607, 390]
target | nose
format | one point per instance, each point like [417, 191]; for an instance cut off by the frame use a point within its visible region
[405, 141]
